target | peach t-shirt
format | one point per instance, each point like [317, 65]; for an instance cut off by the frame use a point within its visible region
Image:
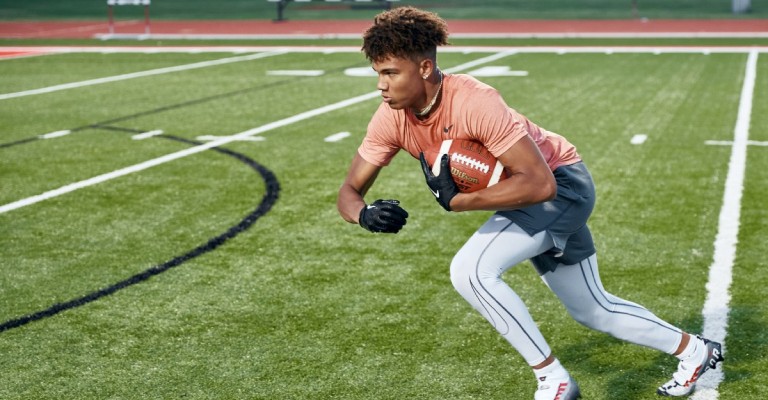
[469, 109]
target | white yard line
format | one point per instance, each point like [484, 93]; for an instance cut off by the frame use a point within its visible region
[140, 74]
[716, 306]
[509, 35]
[730, 143]
[220, 142]
[356, 49]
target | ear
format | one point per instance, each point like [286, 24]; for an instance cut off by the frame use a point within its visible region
[426, 66]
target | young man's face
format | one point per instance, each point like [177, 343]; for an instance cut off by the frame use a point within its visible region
[400, 82]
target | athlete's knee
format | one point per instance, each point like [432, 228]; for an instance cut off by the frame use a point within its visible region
[469, 272]
[461, 273]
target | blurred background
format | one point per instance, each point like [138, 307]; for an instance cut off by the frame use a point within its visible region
[449, 9]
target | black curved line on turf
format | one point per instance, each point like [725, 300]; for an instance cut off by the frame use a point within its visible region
[18, 142]
[179, 105]
[268, 200]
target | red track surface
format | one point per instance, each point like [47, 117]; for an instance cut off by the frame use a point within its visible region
[87, 29]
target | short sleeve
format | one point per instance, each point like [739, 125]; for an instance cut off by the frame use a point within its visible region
[380, 143]
[493, 123]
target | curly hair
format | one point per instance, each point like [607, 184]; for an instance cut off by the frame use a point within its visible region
[404, 32]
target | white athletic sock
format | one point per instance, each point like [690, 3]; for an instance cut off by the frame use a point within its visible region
[690, 350]
[552, 370]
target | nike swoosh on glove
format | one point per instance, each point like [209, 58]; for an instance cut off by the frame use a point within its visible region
[384, 216]
[442, 185]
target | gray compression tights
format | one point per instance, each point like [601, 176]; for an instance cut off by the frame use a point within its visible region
[498, 245]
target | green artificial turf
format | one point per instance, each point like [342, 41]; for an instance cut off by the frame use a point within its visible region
[302, 305]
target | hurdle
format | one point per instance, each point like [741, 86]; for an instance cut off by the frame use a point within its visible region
[110, 12]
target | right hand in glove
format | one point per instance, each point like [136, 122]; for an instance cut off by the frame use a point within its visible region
[383, 216]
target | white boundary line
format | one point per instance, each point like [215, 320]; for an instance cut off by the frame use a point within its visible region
[355, 49]
[141, 74]
[220, 142]
[716, 306]
[489, 35]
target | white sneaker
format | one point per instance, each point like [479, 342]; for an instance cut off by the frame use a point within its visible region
[557, 388]
[706, 356]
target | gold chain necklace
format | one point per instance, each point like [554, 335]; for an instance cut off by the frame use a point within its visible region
[424, 111]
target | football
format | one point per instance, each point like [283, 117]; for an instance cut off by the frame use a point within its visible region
[473, 167]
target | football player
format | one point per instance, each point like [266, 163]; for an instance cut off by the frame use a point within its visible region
[541, 209]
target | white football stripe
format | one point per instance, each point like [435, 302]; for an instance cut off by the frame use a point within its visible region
[444, 147]
[497, 170]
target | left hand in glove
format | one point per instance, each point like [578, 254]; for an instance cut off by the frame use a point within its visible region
[442, 184]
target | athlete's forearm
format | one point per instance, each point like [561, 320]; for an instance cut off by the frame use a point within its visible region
[349, 203]
[517, 191]
[359, 179]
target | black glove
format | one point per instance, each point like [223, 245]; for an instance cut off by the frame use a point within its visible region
[442, 185]
[383, 216]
